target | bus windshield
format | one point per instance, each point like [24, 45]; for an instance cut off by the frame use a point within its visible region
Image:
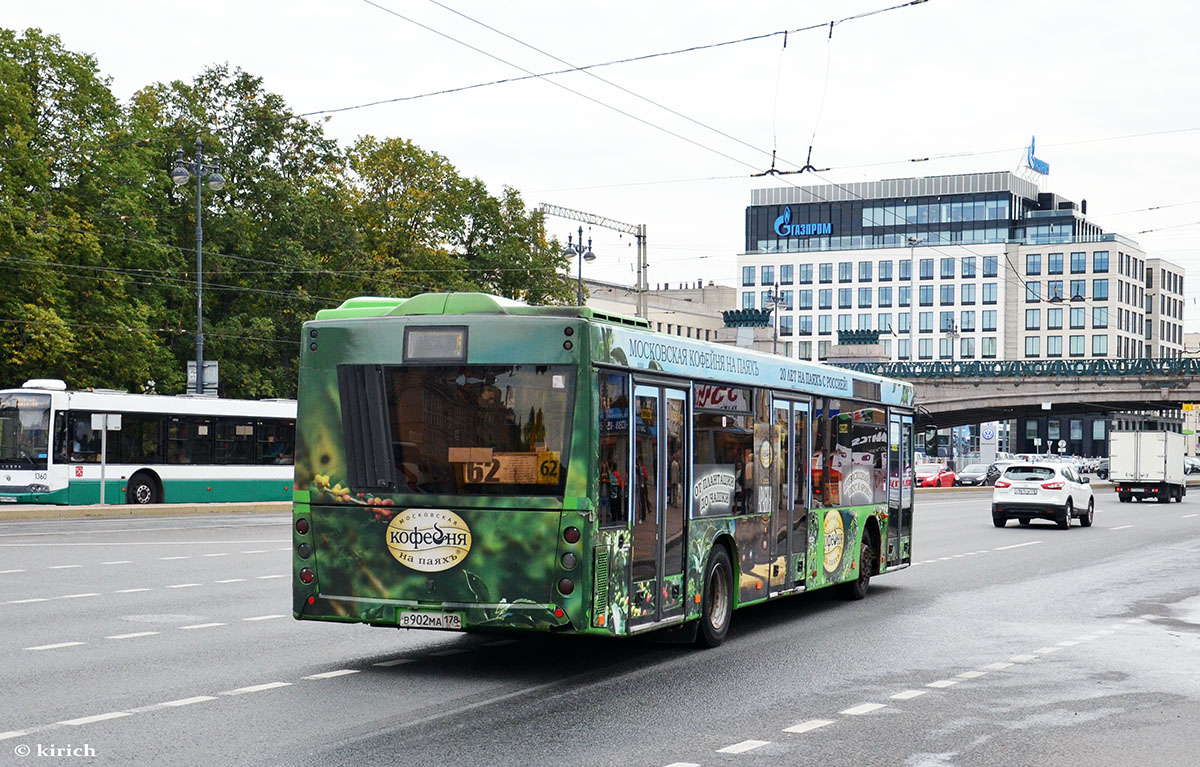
[24, 431]
[498, 430]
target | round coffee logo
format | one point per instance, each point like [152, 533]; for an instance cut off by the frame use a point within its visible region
[764, 454]
[835, 540]
[428, 540]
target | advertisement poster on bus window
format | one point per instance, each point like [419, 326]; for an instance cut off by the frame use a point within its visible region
[713, 489]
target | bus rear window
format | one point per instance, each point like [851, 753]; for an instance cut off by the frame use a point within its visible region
[495, 430]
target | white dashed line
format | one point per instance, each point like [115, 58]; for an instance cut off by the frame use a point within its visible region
[6, 572]
[863, 708]
[743, 747]
[332, 674]
[1017, 546]
[231, 580]
[164, 559]
[396, 662]
[183, 585]
[1046, 650]
[131, 636]
[1189, 516]
[285, 548]
[1023, 658]
[96, 718]
[187, 701]
[909, 694]
[201, 626]
[255, 551]
[997, 666]
[119, 562]
[446, 653]
[1121, 527]
[263, 617]
[55, 646]
[809, 726]
[683, 764]
[256, 688]
[21, 733]
[78, 596]
[269, 577]
[943, 683]
[1086, 638]
[972, 674]
[130, 591]
[217, 555]
[27, 601]
[63, 567]
[1067, 643]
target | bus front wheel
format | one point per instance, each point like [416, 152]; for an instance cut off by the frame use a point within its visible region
[717, 602]
[141, 490]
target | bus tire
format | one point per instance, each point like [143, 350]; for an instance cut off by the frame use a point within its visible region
[716, 606]
[142, 489]
[857, 588]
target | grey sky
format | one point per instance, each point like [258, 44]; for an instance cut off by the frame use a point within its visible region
[963, 82]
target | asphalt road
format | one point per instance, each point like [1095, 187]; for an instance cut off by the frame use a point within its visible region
[169, 641]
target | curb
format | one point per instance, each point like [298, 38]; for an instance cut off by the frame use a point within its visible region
[33, 513]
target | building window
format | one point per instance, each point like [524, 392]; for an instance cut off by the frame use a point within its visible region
[864, 298]
[1054, 263]
[926, 348]
[1033, 319]
[1031, 429]
[805, 325]
[785, 274]
[805, 274]
[1099, 317]
[1033, 292]
[1054, 290]
[748, 299]
[844, 322]
[1053, 430]
[864, 321]
[926, 268]
[990, 266]
[785, 325]
[967, 322]
[904, 323]
[904, 295]
[1100, 345]
[825, 324]
[905, 270]
[987, 348]
[1098, 431]
[825, 298]
[1078, 289]
[885, 271]
[1078, 317]
[946, 348]
[925, 322]
[768, 275]
[822, 350]
[885, 322]
[1054, 319]
[968, 267]
[1100, 261]
[826, 272]
[1053, 346]
[1100, 290]
[989, 321]
[747, 276]
[948, 268]
[845, 271]
[1033, 263]
[989, 292]
[903, 349]
[1033, 346]
[926, 295]
[767, 295]
[805, 350]
[864, 271]
[845, 297]
[1076, 346]
[1078, 263]
[786, 297]
[946, 322]
[885, 296]
[947, 295]
[806, 298]
[967, 348]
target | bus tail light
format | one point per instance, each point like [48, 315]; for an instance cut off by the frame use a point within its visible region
[307, 575]
[302, 526]
[571, 535]
[566, 586]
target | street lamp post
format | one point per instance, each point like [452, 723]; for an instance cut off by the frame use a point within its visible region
[774, 299]
[588, 255]
[209, 173]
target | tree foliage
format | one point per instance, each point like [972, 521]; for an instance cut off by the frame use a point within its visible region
[98, 252]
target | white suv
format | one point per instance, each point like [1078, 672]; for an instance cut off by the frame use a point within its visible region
[1053, 491]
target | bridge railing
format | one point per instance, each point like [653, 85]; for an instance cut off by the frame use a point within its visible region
[1178, 366]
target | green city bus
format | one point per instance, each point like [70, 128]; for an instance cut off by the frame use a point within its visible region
[469, 462]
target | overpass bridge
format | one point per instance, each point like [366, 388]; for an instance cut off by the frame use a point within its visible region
[963, 393]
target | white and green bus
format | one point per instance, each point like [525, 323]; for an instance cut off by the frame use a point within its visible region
[55, 449]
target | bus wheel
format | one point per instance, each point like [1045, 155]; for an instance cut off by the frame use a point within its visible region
[857, 588]
[717, 604]
[141, 490]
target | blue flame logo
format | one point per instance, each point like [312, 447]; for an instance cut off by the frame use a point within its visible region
[781, 224]
[1036, 165]
[785, 228]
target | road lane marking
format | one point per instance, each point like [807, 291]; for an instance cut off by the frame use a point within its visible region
[131, 636]
[997, 666]
[26, 601]
[231, 580]
[217, 555]
[182, 585]
[909, 694]
[79, 596]
[1086, 638]
[187, 701]
[396, 662]
[743, 747]
[1046, 650]
[201, 626]
[256, 688]
[96, 718]
[943, 683]
[269, 577]
[1121, 527]
[55, 646]
[6, 572]
[1023, 658]
[1189, 516]
[130, 591]
[972, 674]
[119, 562]
[809, 726]
[1017, 545]
[1067, 643]
[256, 551]
[21, 733]
[447, 653]
[863, 708]
[62, 567]
[164, 559]
[683, 764]
[264, 617]
[332, 674]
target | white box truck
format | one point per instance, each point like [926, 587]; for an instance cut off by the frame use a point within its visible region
[1147, 464]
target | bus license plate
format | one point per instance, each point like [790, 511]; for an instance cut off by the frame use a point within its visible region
[1026, 491]
[415, 620]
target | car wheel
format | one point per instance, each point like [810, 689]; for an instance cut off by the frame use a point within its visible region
[999, 520]
[1024, 522]
[1064, 519]
[1086, 519]
[1123, 498]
